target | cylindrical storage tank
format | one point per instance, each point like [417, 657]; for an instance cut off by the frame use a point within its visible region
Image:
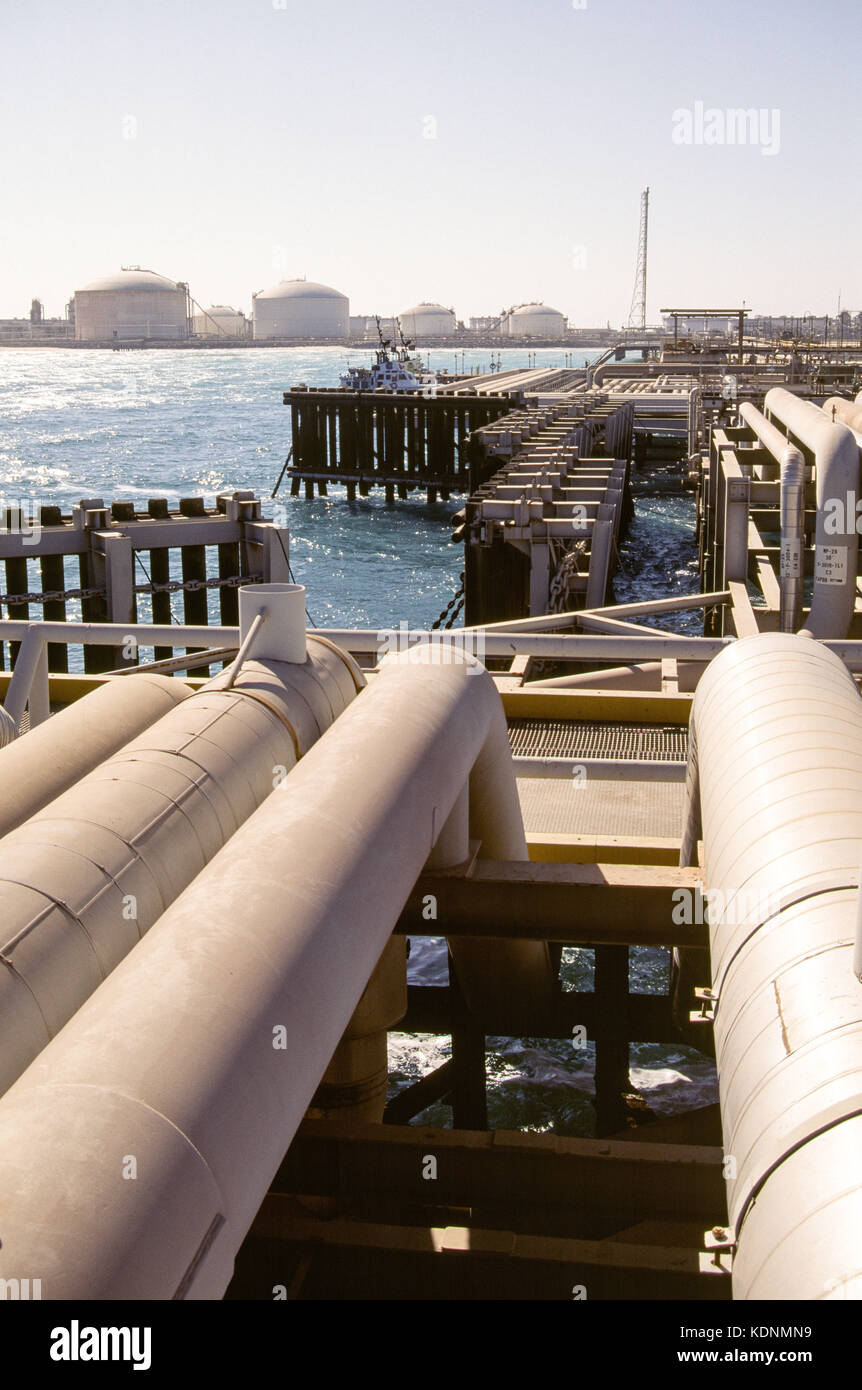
[219, 321]
[427, 321]
[777, 749]
[132, 304]
[301, 309]
[535, 321]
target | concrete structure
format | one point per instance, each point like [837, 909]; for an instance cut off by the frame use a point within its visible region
[131, 304]
[300, 309]
[220, 321]
[428, 321]
[534, 321]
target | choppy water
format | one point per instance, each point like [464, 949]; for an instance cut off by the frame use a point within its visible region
[85, 424]
[138, 424]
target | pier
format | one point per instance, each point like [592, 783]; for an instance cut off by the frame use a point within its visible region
[540, 530]
[367, 439]
[123, 561]
[567, 774]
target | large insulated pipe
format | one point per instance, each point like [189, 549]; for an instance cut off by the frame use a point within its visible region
[776, 766]
[8, 728]
[60, 751]
[83, 879]
[193, 1064]
[792, 510]
[836, 464]
[849, 413]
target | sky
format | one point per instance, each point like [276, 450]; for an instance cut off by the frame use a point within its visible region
[479, 153]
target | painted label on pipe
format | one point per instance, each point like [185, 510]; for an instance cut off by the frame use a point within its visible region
[830, 564]
[791, 558]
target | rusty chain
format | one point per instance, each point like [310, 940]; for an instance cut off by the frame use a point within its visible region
[172, 586]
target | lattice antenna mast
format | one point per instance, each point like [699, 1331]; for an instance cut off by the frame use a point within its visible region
[637, 313]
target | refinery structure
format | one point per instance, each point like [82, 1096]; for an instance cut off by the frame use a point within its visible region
[140, 307]
[137, 305]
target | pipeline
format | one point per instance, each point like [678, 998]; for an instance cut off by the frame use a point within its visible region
[643, 675]
[8, 728]
[836, 463]
[849, 413]
[60, 751]
[792, 511]
[89, 874]
[775, 777]
[205, 1046]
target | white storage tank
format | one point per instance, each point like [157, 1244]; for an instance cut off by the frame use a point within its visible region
[131, 304]
[427, 321]
[220, 321]
[301, 309]
[535, 321]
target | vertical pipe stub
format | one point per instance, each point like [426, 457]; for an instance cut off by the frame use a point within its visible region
[282, 636]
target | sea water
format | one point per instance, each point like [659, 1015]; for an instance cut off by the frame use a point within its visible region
[132, 425]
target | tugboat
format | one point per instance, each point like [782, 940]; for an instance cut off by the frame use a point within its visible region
[397, 371]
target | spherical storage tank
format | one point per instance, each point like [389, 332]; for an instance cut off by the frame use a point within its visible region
[134, 303]
[535, 321]
[301, 309]
[427, 321]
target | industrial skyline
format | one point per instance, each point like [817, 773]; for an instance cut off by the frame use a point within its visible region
[269, 140]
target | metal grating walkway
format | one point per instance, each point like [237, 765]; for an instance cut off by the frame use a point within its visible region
[577, 738]
[560, 805]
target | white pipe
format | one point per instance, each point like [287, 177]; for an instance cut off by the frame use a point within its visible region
[283, 606]
[50, 758]
[244, 647]
[550, 646]
[792, 511]
[8, 728]
[792, 514]
[848, 412]
[565, 647]
[836, 461]
[88, 875]
[776, 750]
[200, 1053]
[29, 664]
[105, 634]
[645, 675]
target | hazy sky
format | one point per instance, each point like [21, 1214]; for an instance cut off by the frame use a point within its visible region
[477, 152]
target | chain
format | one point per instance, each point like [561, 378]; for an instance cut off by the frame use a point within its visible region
[451, 620]
[189, 586]
[566, 570]
[452, 608]
[51, 596]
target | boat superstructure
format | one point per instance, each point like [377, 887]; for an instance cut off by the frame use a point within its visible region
[395, 369]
